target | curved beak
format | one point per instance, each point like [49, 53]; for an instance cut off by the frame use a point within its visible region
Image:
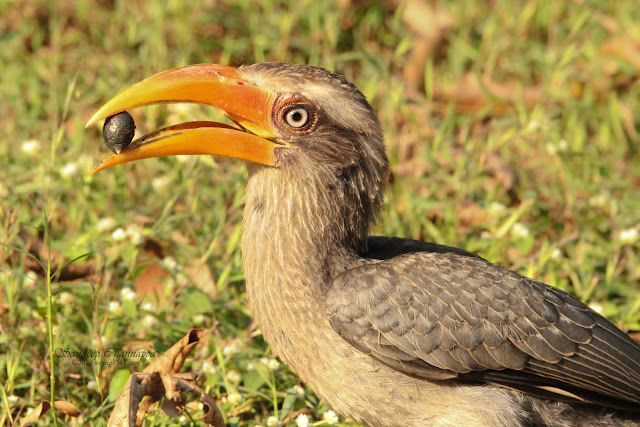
[216, 85]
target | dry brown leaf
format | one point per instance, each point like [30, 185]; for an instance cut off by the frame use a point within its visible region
[35, 414]
[36, 247]
[172, 407]
[180, 238]
[635, 336]
[171, 361]
[126, 407]
[153, 248]
[503, 173]
[628, 122]
[473, 96]
[623, 47]
[67, 408]
[162, 378]
[430, 24]
[471, 214]
[202, 278]
[212, 415]
[150, 282]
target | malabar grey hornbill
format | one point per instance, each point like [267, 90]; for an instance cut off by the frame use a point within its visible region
[387, 331]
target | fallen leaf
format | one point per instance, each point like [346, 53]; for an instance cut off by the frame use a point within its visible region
[154, 248]
[623, 47]
[172, 407]
[67, 408]
[150, 281]
[472, 95]
[429, 23]
[162, 378]
[202, 278]
[74, 271]
[35, 414]
[628, 122]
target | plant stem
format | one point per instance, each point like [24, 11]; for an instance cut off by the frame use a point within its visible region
[52, 378]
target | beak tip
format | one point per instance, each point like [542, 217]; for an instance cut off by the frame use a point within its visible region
[91, 122]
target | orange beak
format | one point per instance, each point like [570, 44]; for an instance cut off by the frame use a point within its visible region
[216, 85]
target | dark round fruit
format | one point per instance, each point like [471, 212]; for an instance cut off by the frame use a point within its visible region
[118, 131]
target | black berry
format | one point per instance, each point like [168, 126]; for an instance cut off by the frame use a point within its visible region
[118, 131]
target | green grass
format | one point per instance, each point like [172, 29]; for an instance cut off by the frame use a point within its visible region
[568, 219]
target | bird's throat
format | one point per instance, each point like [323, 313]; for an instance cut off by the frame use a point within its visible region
[292, 236]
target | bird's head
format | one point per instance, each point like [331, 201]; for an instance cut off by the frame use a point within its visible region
[302, 121]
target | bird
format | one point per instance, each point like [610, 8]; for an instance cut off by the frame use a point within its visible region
[387, 331]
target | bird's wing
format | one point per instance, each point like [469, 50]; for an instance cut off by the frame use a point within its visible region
[446, 313]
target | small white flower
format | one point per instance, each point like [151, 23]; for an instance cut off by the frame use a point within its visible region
[12, 399]
[250, 366]
[563, 146]
[628, 236]
[195, 405]
[556, 254]
[520, 230]
[182, 419]
[181, 279]
[161, 183]
[302, 420]
[297, 390]
[272, 421]
[496, 208]
[169, 263]
[148, 320]
[119, 234]
[134, 233]
[30, 146]
[331, 417]
[127, 294]
[30, 278]
[170, 283]
[558, 147]
[69, 170]
[273, 364]
[135, 237]
[232, 348]
[234, 398]
[598, 308]
[66, 298]
[234, 377]
[600, 200]
[97, 342]
[147, 306]
[114, 307]
[105, 224]
[92, 385]
[208, 367]
[198, 319]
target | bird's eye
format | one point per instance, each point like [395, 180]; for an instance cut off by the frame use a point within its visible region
[297, 117]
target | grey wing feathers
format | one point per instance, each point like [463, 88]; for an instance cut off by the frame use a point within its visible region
[445, 314]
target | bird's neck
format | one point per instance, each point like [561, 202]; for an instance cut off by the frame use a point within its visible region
[300, 231]
[292, 220]
[294, 242]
